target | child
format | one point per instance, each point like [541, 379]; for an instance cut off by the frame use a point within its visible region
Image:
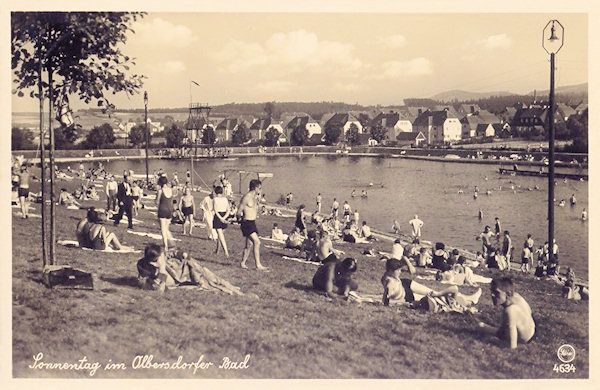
[424, 258]
[526, 258]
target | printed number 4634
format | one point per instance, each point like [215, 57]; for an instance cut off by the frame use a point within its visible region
[564, 368]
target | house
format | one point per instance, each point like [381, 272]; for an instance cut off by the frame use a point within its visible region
[485, 130]
[194, 126]
[581, 108]
[261, 126]
[226, 127]
[312, 126]
[438, 127]
[414, 139]
[468, 109]
[565, 111]
[472, 120]
[344, 121]
[533, 119]
[393, 122]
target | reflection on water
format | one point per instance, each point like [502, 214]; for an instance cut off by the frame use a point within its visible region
[402, 188]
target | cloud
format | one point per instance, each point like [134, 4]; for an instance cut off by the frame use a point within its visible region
[171, 67]
[160, 32]
[493, 42]
[396, 69]
[286, 53]
[393, 41]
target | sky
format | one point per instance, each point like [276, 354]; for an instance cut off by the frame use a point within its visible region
[364, 58]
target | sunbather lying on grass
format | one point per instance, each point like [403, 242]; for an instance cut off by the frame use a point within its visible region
[396, 289]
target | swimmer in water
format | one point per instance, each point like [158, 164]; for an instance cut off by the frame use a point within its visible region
[584, 215]
[353, 193]
[480, 214]
[475, 195]
[562, 203]
[460, 191]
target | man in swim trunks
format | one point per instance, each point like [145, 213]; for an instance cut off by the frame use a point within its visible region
[125, 197]
[347, 211]
[325, 251]
[248, 211]
[517, 320]
[335, 274]
[23, 191]
[334, 207]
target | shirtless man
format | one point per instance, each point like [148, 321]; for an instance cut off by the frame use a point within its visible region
[336, 275]
[517, 320]
[334, 207]
[248, 211]
[319, 199]
[325, 250]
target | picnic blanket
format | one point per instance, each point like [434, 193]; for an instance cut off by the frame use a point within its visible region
[155, 236]
[188, 272]
[272, 239]
[75, 244]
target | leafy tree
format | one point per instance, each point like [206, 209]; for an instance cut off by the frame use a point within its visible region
[240, 135]
[65, 137]
[269, 109]
[299, 135]
[208, 136]
[378, 132]
[175, 136]
[21, 139]
[332, 134]
[352, 135]
[100, 136]
[272, 136]
[80, 52]
[137, 135]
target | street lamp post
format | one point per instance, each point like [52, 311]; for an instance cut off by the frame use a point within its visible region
[552, 41]
[147, 135]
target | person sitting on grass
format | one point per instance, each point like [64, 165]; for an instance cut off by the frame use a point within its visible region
[517, 322]
[365, 232]
[66, 199]
[440, 257]
[277, 233]
[335, 276]
[152, 274]
[295, 239]
[398, 290]
[92, 234]
[424, 258]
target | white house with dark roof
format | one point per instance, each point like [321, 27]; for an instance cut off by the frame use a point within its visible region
[394, 123]
[438, 127]
[259, 128]
[226, 127]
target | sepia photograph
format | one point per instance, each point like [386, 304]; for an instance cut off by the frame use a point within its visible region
[312, 194]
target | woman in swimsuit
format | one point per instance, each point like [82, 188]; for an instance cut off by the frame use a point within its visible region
[92, 234]
[187, 207]
[164, 202]
[407, 290]
[222, 212]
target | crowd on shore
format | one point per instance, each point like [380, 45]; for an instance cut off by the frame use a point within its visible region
[174, 202]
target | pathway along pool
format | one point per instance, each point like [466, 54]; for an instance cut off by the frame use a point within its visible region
[402, 188]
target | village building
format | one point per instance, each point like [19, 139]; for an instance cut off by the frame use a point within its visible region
[438, 127]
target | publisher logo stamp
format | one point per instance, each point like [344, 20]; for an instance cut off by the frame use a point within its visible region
[566, 353]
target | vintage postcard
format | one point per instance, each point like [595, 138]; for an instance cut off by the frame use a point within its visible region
[339, 191]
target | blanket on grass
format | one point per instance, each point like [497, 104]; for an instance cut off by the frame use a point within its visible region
[75, 244]
[188, 273]
[155, 236]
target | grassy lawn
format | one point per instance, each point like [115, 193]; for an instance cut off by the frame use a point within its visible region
[289, 331]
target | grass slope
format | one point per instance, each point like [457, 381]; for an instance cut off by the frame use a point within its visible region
[290, 331]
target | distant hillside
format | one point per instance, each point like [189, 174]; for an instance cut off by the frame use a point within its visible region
[577, 89]
[459, 95]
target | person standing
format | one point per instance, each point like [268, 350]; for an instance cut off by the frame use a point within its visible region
[188, 208]
[23, 191]
[300, 220]
[164, 202]
[347, 211]
[507, 248]
[208, 215]
[248, 212]
[416, 225]
[222, 212]
[335, 207]
[319, 200]
[111, 194]
[497, 228]
[125, 198]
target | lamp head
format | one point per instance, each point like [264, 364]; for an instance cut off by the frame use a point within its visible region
[145, 98]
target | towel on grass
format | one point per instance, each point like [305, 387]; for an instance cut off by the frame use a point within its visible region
[272, 239]
[188, 272]
[300, 260]
[73, 207]
[156, 236]
[75, 244]
[152, 208]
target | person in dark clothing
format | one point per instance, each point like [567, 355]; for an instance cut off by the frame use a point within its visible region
[125, 198]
